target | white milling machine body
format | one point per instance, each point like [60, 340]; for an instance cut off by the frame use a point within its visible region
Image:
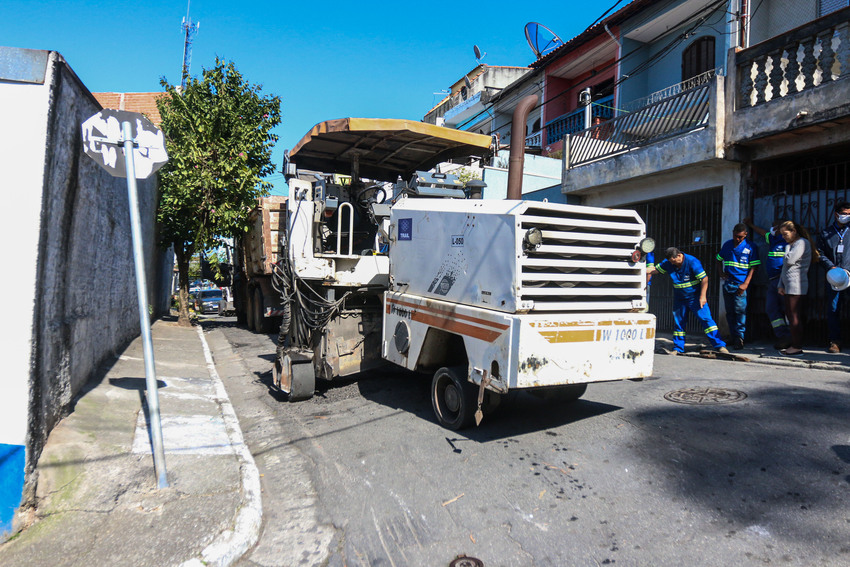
[487, 296]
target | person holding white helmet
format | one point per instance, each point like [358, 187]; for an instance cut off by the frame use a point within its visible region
[831, 245]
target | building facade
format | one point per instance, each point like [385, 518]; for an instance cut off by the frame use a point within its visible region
[717, 119]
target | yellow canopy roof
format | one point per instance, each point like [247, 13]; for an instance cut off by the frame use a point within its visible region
[384, 147]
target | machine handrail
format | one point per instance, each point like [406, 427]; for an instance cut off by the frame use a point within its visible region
[350, 229]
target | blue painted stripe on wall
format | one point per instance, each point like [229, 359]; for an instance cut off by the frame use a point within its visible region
[12, 460]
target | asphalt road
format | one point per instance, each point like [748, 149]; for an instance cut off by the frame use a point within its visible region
[362, 474]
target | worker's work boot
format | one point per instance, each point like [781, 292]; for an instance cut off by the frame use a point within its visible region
[723, 350]
[834, 347]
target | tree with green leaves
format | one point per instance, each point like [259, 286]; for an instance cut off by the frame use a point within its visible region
[219, 142]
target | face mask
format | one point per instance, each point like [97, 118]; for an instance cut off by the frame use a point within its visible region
[844, 219]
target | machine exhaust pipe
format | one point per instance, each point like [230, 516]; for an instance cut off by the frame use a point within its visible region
[517, 160]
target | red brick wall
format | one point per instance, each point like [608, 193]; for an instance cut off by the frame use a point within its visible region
[133, 102]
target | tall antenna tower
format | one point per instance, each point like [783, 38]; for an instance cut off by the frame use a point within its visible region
[190, 28]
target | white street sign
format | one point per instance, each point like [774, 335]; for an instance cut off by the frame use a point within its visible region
[103, 142]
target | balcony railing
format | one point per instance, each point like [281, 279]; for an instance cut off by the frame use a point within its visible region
[534, 140]
[805, 57]
[602, 109]
[672, 90]
[670, 117]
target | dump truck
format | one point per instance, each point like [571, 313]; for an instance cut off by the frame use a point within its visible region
[256, 254]
[400, 266]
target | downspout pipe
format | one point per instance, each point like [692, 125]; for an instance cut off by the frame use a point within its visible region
[517, 159]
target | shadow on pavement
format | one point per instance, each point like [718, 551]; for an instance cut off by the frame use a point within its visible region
[768, 461]
[134, 383]
[518, 413]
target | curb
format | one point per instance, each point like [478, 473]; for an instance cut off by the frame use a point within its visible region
[800, 363]
[230, 545]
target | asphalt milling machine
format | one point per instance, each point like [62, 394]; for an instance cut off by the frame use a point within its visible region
[388, 262]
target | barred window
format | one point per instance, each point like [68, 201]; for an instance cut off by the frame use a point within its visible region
[828, 6]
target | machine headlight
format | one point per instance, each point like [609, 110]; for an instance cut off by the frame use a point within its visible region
[533, 238]
[647, 245]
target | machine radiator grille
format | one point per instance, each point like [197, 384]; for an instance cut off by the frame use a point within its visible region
[585, 260]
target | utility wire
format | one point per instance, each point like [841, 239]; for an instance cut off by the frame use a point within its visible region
[608, 11]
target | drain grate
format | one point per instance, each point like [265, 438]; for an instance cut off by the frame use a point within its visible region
[705, 396]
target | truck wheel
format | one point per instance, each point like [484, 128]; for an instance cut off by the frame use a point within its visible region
[454, 398]
[298, 380]
[262, 324]
[249, 311]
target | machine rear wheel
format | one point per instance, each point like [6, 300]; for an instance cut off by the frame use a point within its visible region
[454, 398]
[298, 380]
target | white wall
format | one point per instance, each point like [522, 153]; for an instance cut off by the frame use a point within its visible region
[23, 115]
[69, 292]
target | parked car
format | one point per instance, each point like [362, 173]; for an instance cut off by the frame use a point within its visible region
[208, 301]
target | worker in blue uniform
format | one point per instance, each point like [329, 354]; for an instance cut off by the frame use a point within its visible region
[690, 285]
[774, 303]
[831, 242]
[736, 262]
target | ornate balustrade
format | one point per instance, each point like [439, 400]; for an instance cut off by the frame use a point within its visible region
[805, 57]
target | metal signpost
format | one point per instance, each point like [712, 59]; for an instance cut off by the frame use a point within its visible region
[106, 136]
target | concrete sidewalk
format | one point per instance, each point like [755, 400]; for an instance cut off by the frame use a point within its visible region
[97, 498]
[762, 352]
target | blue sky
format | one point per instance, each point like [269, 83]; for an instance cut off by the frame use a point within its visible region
[324, 59]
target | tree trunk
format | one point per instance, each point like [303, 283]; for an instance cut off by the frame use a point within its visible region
[183, 257]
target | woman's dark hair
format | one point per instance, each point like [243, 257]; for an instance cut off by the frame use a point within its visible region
[801, 230]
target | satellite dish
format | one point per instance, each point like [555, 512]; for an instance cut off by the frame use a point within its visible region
[541, 39]
[467, 81]
[478, 54]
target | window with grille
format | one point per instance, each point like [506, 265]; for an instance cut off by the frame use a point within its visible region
[828, 6]
[698, 58]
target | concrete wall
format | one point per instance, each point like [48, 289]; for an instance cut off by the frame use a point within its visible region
[779, 16]
[538, 173]
[71, 296]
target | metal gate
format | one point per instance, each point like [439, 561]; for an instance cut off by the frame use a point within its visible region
[804, 189]
[691, 223]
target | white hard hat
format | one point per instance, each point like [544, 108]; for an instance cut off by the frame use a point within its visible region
[838, 278]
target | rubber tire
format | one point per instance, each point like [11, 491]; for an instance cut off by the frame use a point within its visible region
[249, 311]
[453, 398]
[303, 379]
[262, 323]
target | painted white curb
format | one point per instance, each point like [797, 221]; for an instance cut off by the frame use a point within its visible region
[230, 545]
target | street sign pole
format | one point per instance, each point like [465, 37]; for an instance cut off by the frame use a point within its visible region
[104, 134]
[154, 420]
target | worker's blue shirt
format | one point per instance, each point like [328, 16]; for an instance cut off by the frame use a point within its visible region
[775, 254]
[686, 278]
[737, 260]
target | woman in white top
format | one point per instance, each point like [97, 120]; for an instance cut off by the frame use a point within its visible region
[794, 280]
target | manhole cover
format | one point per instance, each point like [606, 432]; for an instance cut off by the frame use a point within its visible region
[704, 396]
[464, 561]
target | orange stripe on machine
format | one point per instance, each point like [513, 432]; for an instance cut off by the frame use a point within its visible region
[450, 321]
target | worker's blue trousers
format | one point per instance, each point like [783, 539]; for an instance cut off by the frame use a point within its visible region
[681, 306]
